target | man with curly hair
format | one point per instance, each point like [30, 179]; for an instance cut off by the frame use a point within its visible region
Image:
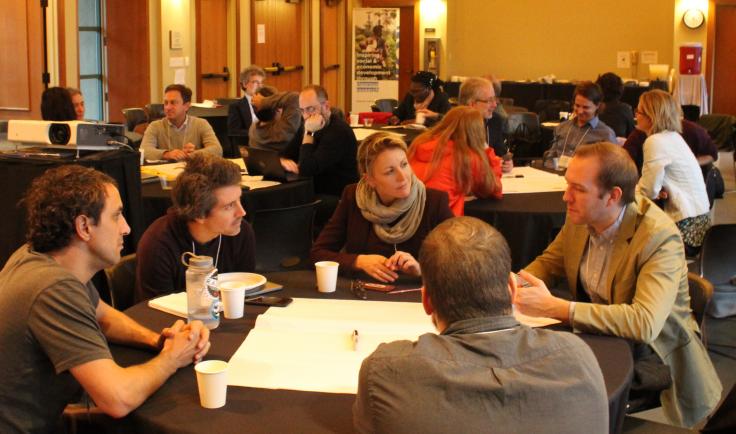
[55, 327]
[206, 219]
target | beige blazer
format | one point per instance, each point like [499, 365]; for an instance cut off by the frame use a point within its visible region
[649, 302]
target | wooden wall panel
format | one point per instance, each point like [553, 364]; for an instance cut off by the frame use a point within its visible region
[330, 57]
[21, 51]
[724, 61]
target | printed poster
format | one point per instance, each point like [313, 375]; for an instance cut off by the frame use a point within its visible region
[375, 56]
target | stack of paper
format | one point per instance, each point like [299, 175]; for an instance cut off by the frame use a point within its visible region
[309, 345]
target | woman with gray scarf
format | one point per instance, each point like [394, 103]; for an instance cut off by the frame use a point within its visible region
[381, 221]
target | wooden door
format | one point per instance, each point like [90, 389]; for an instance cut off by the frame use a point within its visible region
[21, 60]
[212, 73]
[724, 61]
[276, 38]
[126, 36]
[330, 56]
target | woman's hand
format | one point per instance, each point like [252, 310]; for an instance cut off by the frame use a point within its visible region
[393, 120]
[404, 262]
[428, 113]
[375, 266]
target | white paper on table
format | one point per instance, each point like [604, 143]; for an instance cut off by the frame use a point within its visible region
[167, 171]
[308, 345]
[175, 304]
[255, 184]
[531, 180]
[362, 133]
[240, 162]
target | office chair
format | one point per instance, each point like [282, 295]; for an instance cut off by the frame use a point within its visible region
[121, 282]
[284, 237]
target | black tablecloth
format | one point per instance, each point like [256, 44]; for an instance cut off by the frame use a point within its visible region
[528, 221]
[157, 200]
[16, 175]
[175, 407]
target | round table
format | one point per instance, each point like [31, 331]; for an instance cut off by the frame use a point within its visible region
[175, 407]
[528, 221]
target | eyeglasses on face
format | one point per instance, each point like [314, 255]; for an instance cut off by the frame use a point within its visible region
[310, 110]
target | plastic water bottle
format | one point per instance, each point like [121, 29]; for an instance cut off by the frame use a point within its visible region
[203, 297]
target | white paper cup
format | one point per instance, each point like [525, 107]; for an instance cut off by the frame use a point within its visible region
[212, 383]
[233, 298]
[420, 118]
[354, 120]
[368, 122]
[326, 276]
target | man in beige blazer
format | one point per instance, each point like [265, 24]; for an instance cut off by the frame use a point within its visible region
[626, 256]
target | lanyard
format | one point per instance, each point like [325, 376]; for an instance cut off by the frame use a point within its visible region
[219, 243]
[568, 136]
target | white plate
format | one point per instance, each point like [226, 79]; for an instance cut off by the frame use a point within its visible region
[252, 280]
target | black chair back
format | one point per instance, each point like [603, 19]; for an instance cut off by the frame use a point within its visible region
[133, 117]
[717, 259]
[387, 105]
[523, 135]
[155, 111]
[549, 109]
[701, 292]
[284, 237]
[121, 282]
[226, 101]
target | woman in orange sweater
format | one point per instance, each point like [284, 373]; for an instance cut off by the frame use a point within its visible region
[454, 157]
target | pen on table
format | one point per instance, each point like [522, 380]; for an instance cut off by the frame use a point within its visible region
[513, 176]
[355, 340]
[400, 291]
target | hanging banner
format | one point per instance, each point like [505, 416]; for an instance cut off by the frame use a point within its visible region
[375, 56]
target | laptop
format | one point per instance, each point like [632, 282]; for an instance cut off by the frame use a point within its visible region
[267, 163]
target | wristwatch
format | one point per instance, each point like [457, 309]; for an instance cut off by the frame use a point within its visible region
[309, 133]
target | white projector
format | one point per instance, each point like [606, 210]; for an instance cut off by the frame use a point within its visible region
[80, 134]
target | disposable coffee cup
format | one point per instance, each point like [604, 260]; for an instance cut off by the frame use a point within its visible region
[212, 383]
[354, 120]
[326, 275]
[420, 118]
[368, 122]
[233, 298]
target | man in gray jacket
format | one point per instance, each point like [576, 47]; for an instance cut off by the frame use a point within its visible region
[178, 135]
[483, 372]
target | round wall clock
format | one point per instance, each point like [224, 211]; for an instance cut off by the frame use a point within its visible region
[693, 18]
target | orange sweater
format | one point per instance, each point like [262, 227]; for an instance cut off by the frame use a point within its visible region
[443, 177]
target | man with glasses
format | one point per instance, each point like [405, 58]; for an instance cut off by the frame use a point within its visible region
[328, 149]
[241, 115]
[478, 93]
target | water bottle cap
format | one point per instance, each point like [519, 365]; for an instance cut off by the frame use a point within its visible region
[196, 261]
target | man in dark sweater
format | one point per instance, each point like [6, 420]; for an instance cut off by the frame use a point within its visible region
[206, 219]
[327, 152]
[328, 146]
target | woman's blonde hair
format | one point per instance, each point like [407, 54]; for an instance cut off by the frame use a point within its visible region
[464, 127]
[372, 146]
[662, 110]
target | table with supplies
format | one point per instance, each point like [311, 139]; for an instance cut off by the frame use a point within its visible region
[284, 402]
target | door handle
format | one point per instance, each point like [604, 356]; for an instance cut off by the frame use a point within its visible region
[331, 67]
[276, 68]
[224, 75]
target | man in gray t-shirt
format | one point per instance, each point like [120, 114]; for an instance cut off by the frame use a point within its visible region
[55, 327]
[483, 371]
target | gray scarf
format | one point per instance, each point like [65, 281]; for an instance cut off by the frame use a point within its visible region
[412, 209]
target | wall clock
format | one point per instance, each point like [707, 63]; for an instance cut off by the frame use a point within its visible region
[693, 18]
